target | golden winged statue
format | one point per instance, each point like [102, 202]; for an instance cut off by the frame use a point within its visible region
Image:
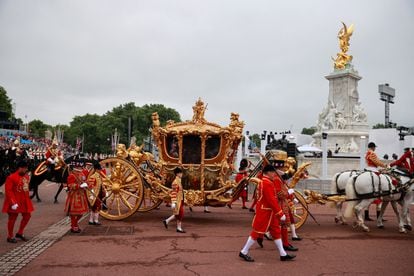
[342, 58]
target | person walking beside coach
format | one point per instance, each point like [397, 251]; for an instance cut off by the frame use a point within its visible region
[177, 201]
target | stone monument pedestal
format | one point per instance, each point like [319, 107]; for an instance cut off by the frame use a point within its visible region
[343, 119]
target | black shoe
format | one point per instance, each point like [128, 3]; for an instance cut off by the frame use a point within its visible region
[251, 210]
[244, 207]
[290, 248]
[11, 240]
[228, 205]
[246, 257]
[91, 223]
[296, 238]
[180, 231]
[287, 258]
[260, 242]
[75, 230]
[207, 211]
[165, 224]
[22, 237]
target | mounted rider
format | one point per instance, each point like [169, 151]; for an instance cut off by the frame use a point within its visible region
[373, 163]
[54, 157]
[372, 160]
[15, 154]
[405, 162]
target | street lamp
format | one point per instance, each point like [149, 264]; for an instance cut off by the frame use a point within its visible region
[362, 152]
[324, 156]
[263, 142]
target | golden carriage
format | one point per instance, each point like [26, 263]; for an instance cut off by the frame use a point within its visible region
[136, 181]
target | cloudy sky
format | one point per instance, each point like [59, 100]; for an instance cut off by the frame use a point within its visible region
[263, 59]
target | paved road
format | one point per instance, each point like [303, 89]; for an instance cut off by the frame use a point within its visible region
[140, 245]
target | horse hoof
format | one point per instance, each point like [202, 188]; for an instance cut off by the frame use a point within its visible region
[355, 225]
[381, 226]
[55, 202]
[336, 220]
[39, 200]
[403, 231]
[408, 227]
[366, 229]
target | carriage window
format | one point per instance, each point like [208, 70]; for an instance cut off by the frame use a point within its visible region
[212, 147]
[191, 149]
[172, 146]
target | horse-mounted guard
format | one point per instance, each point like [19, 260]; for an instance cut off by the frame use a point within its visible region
[54, 159]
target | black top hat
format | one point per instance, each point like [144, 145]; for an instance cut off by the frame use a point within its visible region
[268, 168]
[371, 145]
[22, 164]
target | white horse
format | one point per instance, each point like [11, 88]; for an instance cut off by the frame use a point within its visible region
[338, 185]
[407, 199]
[364, 188]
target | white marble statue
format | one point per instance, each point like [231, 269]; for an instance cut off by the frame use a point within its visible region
[358, 113]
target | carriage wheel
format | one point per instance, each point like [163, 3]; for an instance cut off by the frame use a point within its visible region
[300, 213]
[123, 187]
[150, 201]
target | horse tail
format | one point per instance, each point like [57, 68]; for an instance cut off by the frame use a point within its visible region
[350, 194]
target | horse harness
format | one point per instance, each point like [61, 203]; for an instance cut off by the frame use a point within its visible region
[380, 192]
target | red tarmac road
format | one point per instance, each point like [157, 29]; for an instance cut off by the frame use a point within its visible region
[140, 245]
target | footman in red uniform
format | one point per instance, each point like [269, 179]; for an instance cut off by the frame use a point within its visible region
[268, 216]
[17, 201]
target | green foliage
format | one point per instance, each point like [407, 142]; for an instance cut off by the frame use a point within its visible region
[256, 139]
[37, 128]
[390, 125]
[97, 130]
[309, 131]
[5, 103]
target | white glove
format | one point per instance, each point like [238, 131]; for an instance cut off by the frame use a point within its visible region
[291, 191]
[283, 218]
[15, 206]
[51, 161]
[173, 206]
[91, 197]
[295, 201]
[83, 185]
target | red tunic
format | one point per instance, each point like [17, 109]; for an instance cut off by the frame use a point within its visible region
[17, 191]
[283, 198]
[268, 211]
[76, 201]
[239, 176]
[372, 160]
[406, 161]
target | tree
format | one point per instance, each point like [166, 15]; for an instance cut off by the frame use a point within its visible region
[37, 128]
[144, 119]
[97, 130]
[255, 138]
[309, 131]
[5, 103]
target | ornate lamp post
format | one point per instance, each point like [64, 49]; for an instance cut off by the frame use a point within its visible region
[324, 156]
[362, 148]
[114, 140]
